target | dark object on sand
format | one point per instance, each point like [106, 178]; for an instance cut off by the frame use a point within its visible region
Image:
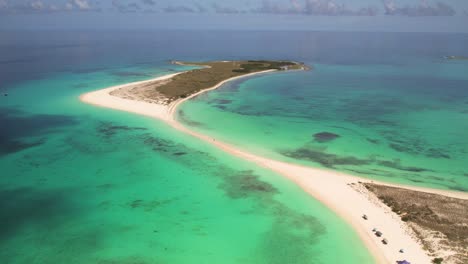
[385, 241]
[378, 233]
[403, 262]
[364, 217]
[325, 137]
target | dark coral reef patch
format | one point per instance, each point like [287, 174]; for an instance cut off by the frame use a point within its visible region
[414, 145]
[396, 164]
[246, 184]
[332, 160]
[149, 205]
[129, 74]
[186, 120]
[373, 141]
[222, 101]
[323, 137]
[159, 144]
[325, 159]
[109, 129]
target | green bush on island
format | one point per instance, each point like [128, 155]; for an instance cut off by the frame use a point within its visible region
[212, 73]
[254, 66]
[445, 218]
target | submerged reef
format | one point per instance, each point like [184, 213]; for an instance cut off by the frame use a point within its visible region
[222, 101]
[332, 160]
[323, 158]
[149, 205]
[323, 137]
[109, 129]
[21, 130]
[414, 145]
[396, 164]
[246, 184]
[129, 74]
[237, 184]
[184, 119]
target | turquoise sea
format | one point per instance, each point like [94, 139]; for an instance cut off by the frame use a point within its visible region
[82, 184]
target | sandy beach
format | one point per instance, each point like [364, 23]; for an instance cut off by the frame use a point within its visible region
[338, 191]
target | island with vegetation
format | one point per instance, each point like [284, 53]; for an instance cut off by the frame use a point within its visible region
[208, 75]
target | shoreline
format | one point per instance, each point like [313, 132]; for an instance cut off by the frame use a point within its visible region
[332, 188]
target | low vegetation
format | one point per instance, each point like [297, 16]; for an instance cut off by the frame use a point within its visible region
[441, 222]
[255, 66]
[212, 73]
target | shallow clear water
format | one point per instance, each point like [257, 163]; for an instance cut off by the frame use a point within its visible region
[401, 122]
[82, 184]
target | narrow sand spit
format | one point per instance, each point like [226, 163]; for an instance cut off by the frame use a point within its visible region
[334, 189]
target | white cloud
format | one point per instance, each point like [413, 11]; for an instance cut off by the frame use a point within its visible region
[423, 9]
[82, 4]
[37, 5]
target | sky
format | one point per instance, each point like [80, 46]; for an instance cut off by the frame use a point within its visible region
[324, 15]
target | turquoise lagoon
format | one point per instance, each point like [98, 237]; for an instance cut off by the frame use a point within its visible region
[403, 123]
[82, 184]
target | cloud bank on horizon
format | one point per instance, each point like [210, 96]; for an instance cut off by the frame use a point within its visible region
[323, 15]
[410, 8]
